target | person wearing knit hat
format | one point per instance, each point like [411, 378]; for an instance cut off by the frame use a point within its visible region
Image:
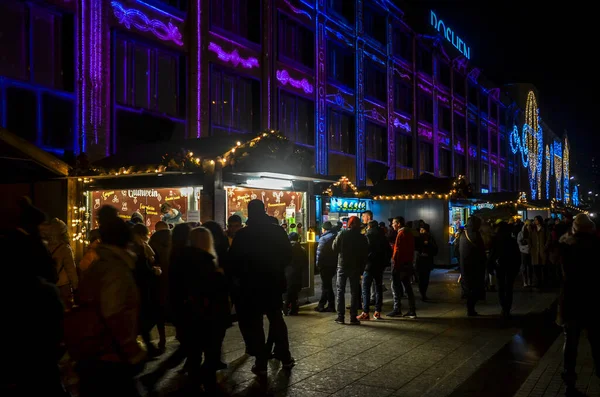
[578, 296]
[352, 249]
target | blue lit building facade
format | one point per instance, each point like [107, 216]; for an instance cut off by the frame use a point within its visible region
[348, 79]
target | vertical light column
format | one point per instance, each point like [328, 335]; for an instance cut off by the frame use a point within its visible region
[361, 155]
[436, 118]
[321, 146]
[391, 133]
[92, 92]
[197, 71]
[268, 48]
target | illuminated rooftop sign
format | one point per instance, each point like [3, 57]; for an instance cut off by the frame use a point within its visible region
[450, 35]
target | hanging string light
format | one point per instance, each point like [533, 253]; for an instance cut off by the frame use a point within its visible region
[548, 170]
[565, 166]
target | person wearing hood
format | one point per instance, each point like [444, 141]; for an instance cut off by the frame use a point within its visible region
[200, 305]
[472, 258]
[352, 249]
[101, 333]
[171, 215]
[55, 233]
[578, 300]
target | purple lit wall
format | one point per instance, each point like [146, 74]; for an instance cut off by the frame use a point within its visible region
[198, 18]
[130, 17]
[233, 57]
[284, 78]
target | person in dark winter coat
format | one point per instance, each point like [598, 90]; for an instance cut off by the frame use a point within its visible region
[200, 305]
[293, 275]
[472, 263]
[379, 252]
[327, 263]
[160, 242]
[578, 299]
[257, 259]
[352, 249]
[427, 249]
[505, 260]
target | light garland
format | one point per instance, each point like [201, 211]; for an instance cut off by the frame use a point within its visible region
[558, 168]
[343, 181]
[456, 186]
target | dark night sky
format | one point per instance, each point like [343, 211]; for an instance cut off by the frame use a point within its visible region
[551, 47]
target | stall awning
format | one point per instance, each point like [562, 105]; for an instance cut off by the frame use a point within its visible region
[23, 162]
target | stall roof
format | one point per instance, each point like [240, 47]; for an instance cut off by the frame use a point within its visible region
[497, 197]
[152, 154]
[425, 183]
[23, 162]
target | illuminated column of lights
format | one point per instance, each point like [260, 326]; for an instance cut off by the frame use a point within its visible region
[540, 157]
[558, 168]
[548, 169]
[566, 171]
[575, 198]
[532, 140]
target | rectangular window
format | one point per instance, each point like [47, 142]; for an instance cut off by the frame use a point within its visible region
[403, 96]
[340, 64]
[444, 74]
[343, 8]
[376, 142]
[150, 78]
[59, 121]
[240, 17]
[21, 114]
[460, 127]
[374, 23]
[494, 139]
[504, 179]
[485, 174]
[494, 179]
[342, 132]
[459, 83]
[472, 171]
[473, 133]
[459, 164]
[403, 44]
[503, 147]
[473, 95]
[483, 140]
[444, 118]
[135, 128]
[375, 81]
[444, 162]
[426, 157]
[296, 41]
[234, 103]
[297, 118]
[425, 107]
[424, 61]
[37, 45]
[404, 150]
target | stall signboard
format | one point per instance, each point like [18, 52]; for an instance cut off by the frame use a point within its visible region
[347, 205]
[145, 201]
[282, 204]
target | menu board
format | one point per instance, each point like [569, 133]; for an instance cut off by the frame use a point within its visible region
[283, 205]
[145, 201]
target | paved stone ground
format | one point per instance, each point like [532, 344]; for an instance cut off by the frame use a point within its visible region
[545, 379]
[427, 356]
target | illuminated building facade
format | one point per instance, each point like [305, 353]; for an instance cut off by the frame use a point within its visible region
[542, 156]
[349, 79]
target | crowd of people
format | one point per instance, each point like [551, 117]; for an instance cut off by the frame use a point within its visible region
[101, 311]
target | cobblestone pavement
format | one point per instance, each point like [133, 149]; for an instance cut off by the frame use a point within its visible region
[427, 356]
[545, 379]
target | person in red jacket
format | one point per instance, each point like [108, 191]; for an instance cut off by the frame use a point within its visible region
[402, 268]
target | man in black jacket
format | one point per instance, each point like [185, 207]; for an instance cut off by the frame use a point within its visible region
[258, 257]
[326, 262]
[379, 251]
[352, 249]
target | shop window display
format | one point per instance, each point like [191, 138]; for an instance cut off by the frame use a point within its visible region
[286, 206]
[148, 202]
